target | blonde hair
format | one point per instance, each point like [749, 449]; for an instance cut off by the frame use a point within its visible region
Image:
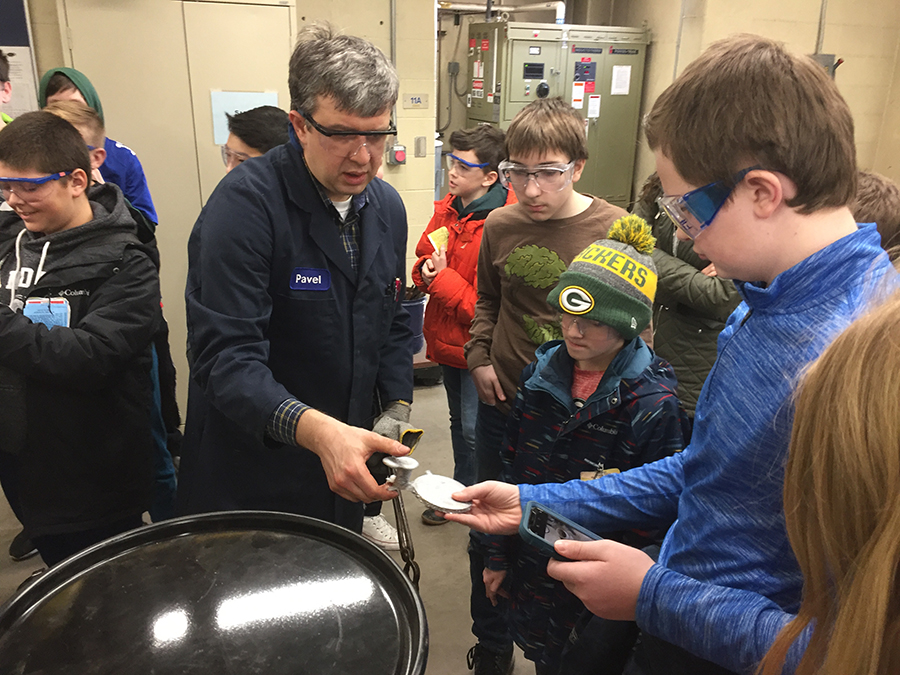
[82, 117]
[842, 504]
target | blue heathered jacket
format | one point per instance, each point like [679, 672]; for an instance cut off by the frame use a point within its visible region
[632, 418]
[727, 580]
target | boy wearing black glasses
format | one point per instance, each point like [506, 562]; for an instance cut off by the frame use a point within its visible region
[524, 249]
[446, 268]
[754, 149]
[79, 307]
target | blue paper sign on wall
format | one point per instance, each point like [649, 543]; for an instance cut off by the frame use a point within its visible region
[233, 102]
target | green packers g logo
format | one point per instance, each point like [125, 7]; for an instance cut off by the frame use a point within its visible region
[576, 300]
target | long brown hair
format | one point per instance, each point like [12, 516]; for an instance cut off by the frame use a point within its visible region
[842, 504]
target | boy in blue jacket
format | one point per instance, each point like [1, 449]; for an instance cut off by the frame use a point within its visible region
[596, 403]
[754, 149]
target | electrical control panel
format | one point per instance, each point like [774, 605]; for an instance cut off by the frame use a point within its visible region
[599, 70]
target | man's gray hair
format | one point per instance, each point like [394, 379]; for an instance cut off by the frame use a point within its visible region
[350, 69]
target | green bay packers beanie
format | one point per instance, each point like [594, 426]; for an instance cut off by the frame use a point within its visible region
[613, 280]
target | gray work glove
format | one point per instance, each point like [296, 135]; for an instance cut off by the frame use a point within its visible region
[393, 423]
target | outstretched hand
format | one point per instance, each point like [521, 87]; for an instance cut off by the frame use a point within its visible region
[606, 575]
[495, 507]
[343, 450]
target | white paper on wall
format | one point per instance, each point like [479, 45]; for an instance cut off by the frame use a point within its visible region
[621, 81]
[21, 76]
[233, 102]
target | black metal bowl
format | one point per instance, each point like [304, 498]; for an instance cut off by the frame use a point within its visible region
[232, 592]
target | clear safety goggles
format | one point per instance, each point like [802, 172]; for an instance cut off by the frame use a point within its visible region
[233, 157]
[582, 325]
[548, 177]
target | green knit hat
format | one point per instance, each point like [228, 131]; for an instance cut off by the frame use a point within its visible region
[613, 280]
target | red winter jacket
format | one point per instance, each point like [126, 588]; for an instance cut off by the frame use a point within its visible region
[451, 307]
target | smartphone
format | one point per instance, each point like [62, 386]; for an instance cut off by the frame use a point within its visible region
[542, 527]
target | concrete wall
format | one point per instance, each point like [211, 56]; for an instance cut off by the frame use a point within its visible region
[865, 33]
[887, 153]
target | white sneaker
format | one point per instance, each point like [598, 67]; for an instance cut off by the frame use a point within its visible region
[379, 531]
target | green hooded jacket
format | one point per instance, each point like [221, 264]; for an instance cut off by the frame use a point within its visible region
[690, 309]
[80, 81]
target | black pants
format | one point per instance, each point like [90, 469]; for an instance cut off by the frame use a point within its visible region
[601, 646]
[380, 473]
[489, 623]
[653, 656]
[9, 481]
[598, 646]
[55, 548]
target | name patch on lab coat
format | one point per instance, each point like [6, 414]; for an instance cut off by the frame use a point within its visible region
[310, 279]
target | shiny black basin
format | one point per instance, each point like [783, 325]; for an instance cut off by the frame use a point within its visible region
[237, 592]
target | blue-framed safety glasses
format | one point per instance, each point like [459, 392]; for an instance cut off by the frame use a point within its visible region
[25, 187]
[462, 165]
[702, 204]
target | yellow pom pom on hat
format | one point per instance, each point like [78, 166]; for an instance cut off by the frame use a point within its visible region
[613, 280]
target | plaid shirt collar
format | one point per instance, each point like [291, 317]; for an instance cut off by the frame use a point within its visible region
[357, 202]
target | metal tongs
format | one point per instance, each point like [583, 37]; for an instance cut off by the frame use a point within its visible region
[402, 467]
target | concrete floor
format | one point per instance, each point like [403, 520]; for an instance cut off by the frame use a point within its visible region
[440, 551]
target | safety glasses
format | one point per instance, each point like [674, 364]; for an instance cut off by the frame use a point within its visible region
[346, 142]
[233, 157]
[702, 205]
[459, 165]
[549, 177]
[28, 188]
[583, 326]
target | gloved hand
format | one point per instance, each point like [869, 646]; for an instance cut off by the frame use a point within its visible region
[393, 423]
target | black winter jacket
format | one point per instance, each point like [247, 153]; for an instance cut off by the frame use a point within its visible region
[75, 401]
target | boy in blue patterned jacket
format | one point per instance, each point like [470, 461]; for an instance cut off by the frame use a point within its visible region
[754, 149]
[596, 403]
